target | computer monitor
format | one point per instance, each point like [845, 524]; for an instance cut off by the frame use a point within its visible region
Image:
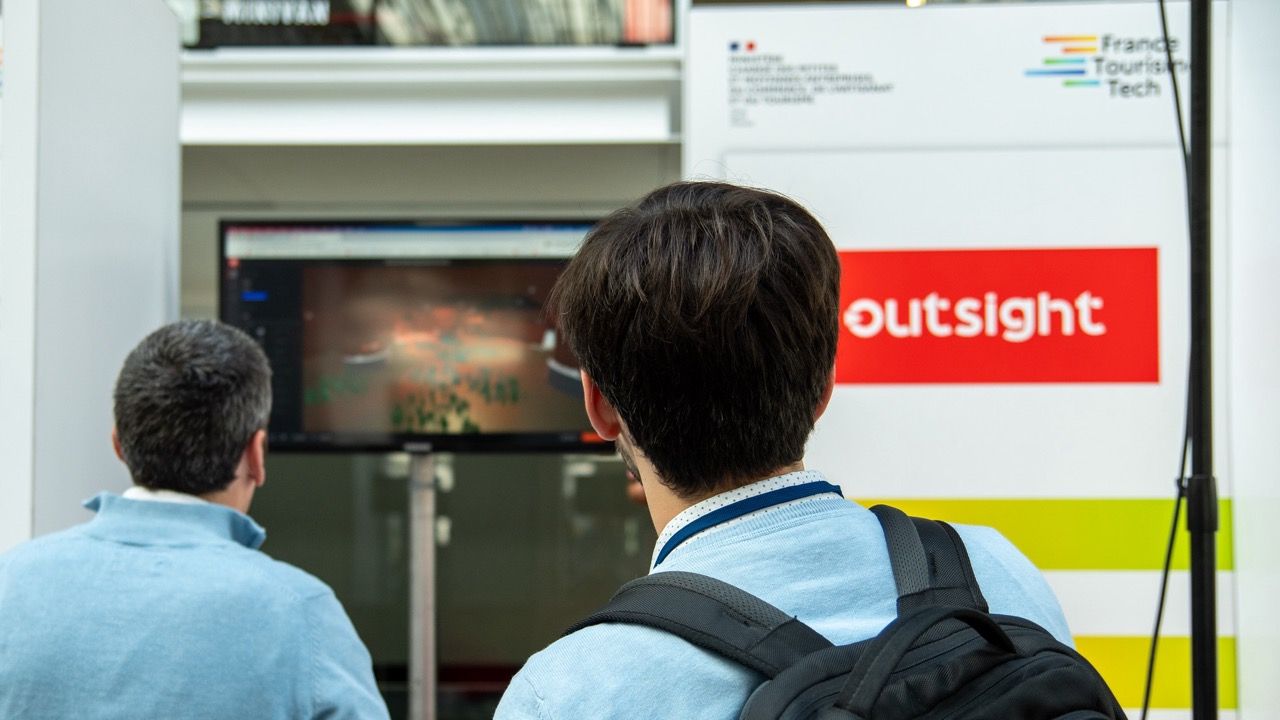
[391, 335]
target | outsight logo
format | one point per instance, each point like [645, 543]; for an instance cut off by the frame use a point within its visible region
[1025, 315]
[1123, 67]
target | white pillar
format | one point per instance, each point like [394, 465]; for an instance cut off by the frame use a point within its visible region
[1254, 347]
[89, 218]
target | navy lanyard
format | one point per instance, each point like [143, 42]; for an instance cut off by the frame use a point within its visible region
[745, 507]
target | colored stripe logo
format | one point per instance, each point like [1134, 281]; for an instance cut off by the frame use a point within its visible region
[1124, 534]
[1068, 63]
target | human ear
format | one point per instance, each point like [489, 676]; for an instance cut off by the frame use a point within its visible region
[826, 396]
[115, 444]
[255, 458]
[604, 419]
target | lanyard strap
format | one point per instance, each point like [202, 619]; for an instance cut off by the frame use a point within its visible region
[745, 507]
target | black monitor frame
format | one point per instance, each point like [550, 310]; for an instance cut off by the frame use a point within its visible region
[567, 442]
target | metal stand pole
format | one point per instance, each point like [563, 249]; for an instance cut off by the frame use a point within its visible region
[422, 578]
[1202, 493]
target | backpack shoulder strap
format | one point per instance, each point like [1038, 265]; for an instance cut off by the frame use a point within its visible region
[930, 564]
[713, 615]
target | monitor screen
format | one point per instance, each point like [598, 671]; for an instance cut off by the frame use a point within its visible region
[385, 336]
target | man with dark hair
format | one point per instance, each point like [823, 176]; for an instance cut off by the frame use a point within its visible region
[162, 606]
[704, 318]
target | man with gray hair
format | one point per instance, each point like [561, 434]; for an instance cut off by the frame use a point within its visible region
[162, 606]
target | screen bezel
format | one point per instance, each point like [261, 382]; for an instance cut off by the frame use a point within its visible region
[584, 442]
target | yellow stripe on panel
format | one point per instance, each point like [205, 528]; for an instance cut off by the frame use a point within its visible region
[1123, 663]
[1076, 534]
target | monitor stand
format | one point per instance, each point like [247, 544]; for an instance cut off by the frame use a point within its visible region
[422, 577]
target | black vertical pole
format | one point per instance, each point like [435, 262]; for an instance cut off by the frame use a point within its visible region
[1202, 493]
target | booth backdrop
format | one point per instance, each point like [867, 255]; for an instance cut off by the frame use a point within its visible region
[1004, 186]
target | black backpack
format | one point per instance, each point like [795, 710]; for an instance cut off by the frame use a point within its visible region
[945, 656]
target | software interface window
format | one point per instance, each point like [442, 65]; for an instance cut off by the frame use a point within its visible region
[387, 333]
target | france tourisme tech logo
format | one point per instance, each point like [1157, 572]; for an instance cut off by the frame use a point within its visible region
[1070, 62]
[1119, 66]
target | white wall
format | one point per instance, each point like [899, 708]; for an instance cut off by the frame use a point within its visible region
[1254, 395]
[90, 209]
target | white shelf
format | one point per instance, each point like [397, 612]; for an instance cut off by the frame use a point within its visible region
[431, 96]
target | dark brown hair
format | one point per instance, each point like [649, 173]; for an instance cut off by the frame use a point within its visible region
[707, 314]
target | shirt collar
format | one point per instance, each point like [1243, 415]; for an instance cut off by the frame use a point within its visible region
[715, 502]
[138, 492]
[168, 523]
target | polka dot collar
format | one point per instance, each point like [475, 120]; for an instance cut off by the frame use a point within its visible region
[729, 497]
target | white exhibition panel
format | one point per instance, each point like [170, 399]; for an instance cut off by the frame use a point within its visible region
[90, 209]
[1032, 136]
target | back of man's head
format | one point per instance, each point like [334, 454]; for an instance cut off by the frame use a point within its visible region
[707, 314]
[187, 402]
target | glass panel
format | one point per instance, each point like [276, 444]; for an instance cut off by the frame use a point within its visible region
[907, 3]
[533, 544]
[344, 519]
[527, 545]
[221, 23]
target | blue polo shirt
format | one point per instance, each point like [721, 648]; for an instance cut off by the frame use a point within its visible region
[821, 558]
[165, 610]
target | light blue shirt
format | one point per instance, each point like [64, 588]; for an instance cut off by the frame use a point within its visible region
[821, 558]
[166, 610]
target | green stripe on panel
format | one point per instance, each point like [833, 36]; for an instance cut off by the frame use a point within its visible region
[1074, 534]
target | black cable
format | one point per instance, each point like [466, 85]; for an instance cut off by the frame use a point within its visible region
[1177, 95]
[1168, 565]
[1186, 427]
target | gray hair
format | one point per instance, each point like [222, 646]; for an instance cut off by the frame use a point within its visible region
[188, 400]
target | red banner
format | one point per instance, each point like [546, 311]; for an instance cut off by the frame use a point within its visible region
[999, 316]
